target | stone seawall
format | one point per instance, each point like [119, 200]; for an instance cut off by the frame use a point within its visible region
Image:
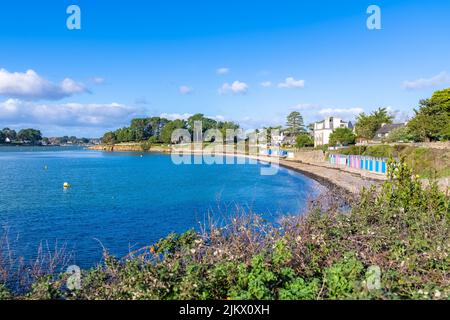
[311, 156]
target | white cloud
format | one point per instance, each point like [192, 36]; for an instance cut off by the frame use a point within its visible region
[236, 87]
[222, 71]
[342, 112]
[290, 82]
[217, 117]
[185, 90]
[440, 79]
[305, 106]
[9, 108]
[399, 115]
[30, 85]
[266, 84]
[175, 116]
[185, 116]
[67, 114]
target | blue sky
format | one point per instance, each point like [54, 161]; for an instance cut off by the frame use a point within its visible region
[137, 58]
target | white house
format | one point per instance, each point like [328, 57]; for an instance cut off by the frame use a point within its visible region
[277, 139]
[280, 139]
[324, 128]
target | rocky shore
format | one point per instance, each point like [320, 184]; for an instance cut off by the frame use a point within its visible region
[330, 177]
[131, 147]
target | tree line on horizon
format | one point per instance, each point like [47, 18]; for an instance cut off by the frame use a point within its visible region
[29, 135]
[431, 122]
[159, 130]
[32, 136]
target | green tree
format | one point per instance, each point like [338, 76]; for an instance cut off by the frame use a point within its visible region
[167, 130]
[295, 124]
[143, 128]
[432, 121]
[9, 133]
[304, 140]
[269, 131]
[2, 137]
[227, 125]
[342, 136]
[63, 139]
[140, 129]
[367, 125]
[29, 135]
[109, 138]
[207, 123]
[124, 135]
[155, 125]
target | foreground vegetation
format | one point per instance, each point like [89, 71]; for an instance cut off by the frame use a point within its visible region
[393, 244]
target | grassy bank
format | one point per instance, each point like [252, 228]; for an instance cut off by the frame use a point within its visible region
[424, 161]
[390, 245]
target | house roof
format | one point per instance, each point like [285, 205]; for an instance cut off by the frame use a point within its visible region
[388, 128]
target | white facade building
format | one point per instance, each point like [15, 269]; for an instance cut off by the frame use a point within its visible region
[277, 139]
[324, 128]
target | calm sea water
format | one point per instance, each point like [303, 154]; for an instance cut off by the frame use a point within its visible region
[127, 201]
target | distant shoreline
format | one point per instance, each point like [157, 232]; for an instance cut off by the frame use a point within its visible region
[47, 145]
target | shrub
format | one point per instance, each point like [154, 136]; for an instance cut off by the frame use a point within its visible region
[343, 278]
[45, 288]
[342, 136]
[146, 145]
[400, 134]
[304, 140]
[298, 289]
[4, 293]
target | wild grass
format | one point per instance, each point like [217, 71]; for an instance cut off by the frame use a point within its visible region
[17, 275]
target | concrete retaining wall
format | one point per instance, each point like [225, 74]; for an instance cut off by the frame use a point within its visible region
[311, 156]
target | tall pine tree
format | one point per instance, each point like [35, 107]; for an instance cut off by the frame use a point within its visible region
[295, 124]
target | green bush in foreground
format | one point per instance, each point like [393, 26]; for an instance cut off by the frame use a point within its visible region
[4, 293]
[402, 231]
